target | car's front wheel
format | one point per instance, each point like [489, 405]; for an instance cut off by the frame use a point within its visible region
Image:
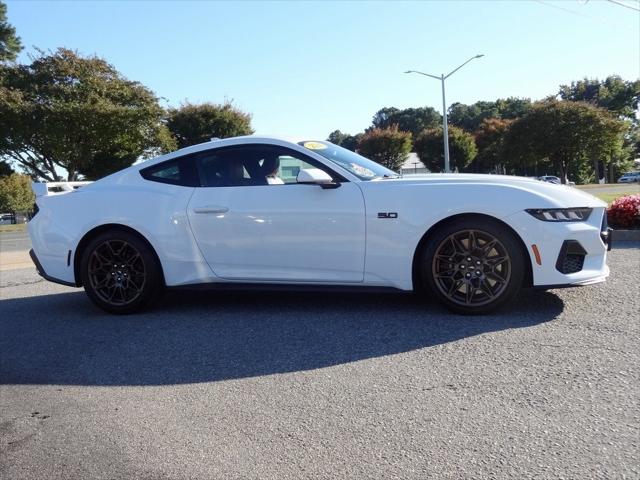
[120, 273]
[473, 265]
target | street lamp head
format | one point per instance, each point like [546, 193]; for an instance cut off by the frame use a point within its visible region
[409, 71]
[479, 55]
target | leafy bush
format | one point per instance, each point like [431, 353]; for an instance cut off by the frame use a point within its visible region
[198, 123]
[430, 148]
[624, 212]
[15, 193]
[387, 146]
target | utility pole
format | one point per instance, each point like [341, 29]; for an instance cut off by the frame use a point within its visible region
[445, 128]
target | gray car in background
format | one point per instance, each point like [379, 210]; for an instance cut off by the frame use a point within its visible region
[630, 177]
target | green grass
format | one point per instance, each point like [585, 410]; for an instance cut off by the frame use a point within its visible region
[20, 227]
[610, 197]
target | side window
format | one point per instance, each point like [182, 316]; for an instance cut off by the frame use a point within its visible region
[253, 165]
[179, 171]
[220, 170]
[290, 167]
[226, 168]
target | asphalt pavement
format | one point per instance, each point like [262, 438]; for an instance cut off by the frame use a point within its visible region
[14, 241]
[291, 386]
[14, 252]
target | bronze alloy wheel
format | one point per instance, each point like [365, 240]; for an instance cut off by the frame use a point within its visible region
[471, 268]
[116, 272]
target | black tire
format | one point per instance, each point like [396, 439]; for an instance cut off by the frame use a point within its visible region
[472, 265]
[120, 272]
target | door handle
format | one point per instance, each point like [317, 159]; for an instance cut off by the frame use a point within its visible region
[210, 209]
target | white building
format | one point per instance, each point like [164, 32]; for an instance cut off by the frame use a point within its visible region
[413, 165]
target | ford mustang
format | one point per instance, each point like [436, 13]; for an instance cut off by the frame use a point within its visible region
[265, 212]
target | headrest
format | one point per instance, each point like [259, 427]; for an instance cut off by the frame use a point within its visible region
[270, 165]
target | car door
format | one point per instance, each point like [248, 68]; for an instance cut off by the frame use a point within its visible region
[253, 221]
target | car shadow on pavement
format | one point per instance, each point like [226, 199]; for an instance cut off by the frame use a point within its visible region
[190, 337]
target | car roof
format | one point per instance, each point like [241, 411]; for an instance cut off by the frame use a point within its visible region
[286, 141]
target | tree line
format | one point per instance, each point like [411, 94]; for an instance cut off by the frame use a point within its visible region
[587, 131]
[64, 113]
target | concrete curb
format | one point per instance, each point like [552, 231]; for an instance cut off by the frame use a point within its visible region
[626, 236]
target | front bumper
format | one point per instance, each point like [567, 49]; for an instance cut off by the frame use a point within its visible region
[586, 244]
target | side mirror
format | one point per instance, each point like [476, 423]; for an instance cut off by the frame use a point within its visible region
[315, 176]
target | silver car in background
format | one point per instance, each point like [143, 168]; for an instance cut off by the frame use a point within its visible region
[630, 177]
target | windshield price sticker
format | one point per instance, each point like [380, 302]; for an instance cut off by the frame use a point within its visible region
[314, 145]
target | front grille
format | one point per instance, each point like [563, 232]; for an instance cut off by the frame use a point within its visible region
[572, 263]
[571, 257]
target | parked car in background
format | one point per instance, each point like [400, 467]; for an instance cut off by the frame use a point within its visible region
[555, 180]
[550, 179]
[630, 177]
[7, 219]
[21, 217]
[264, 212]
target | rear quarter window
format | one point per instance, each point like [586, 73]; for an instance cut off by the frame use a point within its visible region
[179, 171]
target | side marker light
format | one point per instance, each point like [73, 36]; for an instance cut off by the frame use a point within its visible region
[536, 254]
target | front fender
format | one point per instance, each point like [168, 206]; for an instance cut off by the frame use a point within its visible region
[392, 243]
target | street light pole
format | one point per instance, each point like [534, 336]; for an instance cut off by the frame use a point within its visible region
[445, 129]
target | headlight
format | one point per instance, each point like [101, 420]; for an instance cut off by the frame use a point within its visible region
[560, 214]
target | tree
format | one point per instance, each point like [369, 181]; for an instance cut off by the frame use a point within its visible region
[469, 117]
[614, 94]
[192, 124]
[564, 136]
[387, 146]
[79, 114]
[337, 137]
[632, 142]
[430, 148]
[413, 120]
[15, 193]
[350, 142]
[5, 169]
[489, 139]
[10, 45]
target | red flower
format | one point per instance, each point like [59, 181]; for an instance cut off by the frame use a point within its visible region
[624, 212]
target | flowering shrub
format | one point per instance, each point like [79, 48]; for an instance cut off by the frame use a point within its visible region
[624, 212]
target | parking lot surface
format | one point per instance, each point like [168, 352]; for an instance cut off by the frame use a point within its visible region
[289, 385]
[15, 241]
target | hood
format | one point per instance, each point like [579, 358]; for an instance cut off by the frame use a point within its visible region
[561, 195]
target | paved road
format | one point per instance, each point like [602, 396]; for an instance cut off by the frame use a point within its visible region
[286, 386]
[14, 241]
[14, 247]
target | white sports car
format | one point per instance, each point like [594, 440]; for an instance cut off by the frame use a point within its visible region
[268, 212]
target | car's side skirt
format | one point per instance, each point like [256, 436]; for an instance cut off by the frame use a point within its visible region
[288, 287]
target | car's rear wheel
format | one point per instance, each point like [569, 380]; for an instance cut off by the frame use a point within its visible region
[473, 265]
[119, 272]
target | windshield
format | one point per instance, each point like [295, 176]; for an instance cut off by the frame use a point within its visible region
[361, 167]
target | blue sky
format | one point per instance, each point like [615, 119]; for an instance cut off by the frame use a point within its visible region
[307, 68]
